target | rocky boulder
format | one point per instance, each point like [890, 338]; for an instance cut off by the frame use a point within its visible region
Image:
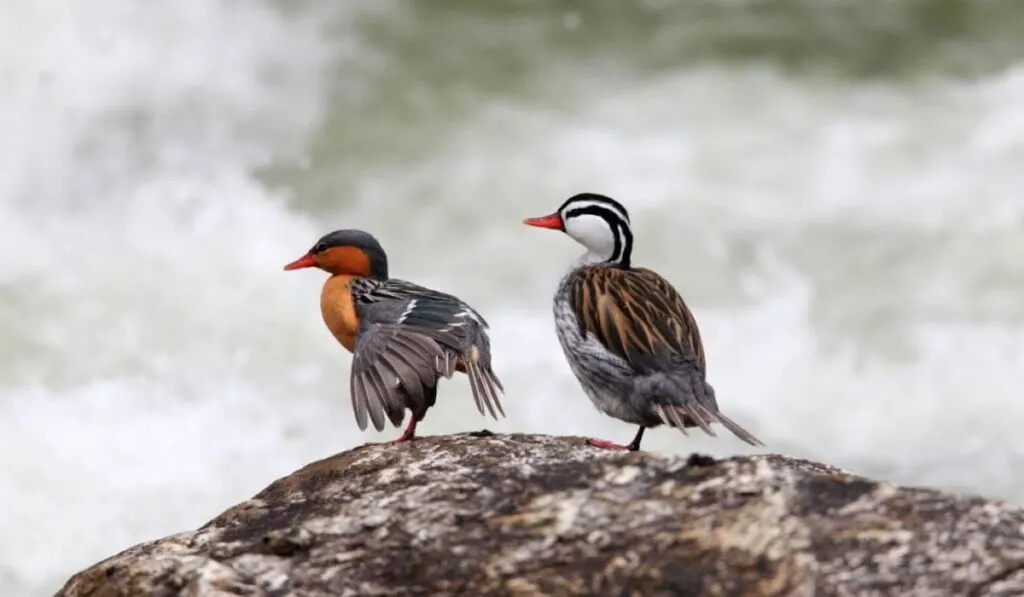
[481, 514]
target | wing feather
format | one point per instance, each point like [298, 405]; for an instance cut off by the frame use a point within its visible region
[357, 390]
[376, 397]
[393, 366]
[637, 315]
[389, 393]
[443, 329]
[401, 349]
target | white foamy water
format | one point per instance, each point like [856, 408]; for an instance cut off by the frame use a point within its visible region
[141, 302]
[851, 250]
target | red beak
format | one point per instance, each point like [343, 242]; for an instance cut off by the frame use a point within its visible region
[302, 262]
[553, 222]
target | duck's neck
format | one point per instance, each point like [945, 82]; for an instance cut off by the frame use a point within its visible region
[619, 256]
[593, 258]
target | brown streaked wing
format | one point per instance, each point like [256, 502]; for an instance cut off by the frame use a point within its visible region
[637, 315]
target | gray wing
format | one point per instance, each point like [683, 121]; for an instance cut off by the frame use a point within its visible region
[463, 334]
[393, 367]
[401, 349]
[402, 291]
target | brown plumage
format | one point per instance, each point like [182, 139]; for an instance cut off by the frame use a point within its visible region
[339, 311]
[636, 314]
[639, 316]
[629, 337]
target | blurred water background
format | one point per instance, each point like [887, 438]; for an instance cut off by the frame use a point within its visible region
[835, 187]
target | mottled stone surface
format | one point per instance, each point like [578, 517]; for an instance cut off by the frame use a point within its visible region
[538, 515]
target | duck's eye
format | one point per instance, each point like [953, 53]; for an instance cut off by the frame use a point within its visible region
[318, 248]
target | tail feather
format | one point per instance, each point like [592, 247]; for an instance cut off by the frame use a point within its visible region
[485, 393]
[496, 388]
[474, 385]
[697, 407]
[670, 417]
[738, 430]
[700, 415]
[695, 414]
[474, 356]
[676, 416]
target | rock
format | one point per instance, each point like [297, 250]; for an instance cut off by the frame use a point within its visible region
[481, 514]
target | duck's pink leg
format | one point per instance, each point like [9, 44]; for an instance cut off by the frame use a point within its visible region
[632, 446]
[410, 432]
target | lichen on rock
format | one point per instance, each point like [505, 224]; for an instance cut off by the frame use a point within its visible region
[482, 514]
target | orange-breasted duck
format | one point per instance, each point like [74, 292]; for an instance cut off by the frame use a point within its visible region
[631, 341]
[403, 337]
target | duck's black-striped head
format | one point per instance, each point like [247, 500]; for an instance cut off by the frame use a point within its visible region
[346, 252]
[599, 223]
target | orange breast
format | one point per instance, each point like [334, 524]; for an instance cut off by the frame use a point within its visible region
[338, 311]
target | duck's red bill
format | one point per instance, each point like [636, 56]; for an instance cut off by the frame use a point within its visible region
[553, 222]
[301, 262]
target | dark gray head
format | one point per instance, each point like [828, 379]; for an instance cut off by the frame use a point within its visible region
[346, 252]
[599, 223]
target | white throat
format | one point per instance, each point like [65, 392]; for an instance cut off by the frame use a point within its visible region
[595, 234]
[590, 258]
